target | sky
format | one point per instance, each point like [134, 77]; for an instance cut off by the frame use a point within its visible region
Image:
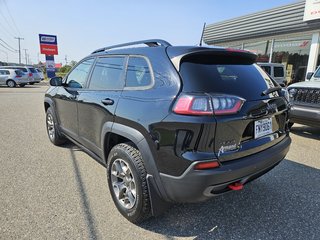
[83, 26]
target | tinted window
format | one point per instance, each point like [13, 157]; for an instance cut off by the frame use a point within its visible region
[267, 69]
[77, 78]
[278, 72]
[107, 73]
[247, 81]
[138, 72]
[18, 72]
[317, 73]
[23, 69]
[32, 70]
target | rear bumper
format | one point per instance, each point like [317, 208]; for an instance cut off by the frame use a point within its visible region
[305, 115]
[199, 185]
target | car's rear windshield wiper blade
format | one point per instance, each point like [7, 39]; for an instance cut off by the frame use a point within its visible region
[270, 90]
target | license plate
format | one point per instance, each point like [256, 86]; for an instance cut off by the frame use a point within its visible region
[262, 127]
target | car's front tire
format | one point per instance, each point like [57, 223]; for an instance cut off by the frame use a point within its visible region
[52, 128]
[127, 182]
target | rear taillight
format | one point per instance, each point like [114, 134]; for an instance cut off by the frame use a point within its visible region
[207, 105]
[193, 105]
[30, 74]
[224, 105]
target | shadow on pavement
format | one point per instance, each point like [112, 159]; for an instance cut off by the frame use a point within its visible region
[306, 131]
[90, 221]
[283, 204]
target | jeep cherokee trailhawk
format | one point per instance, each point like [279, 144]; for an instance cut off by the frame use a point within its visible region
[171, 124]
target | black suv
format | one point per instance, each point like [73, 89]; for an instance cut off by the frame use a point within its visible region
[171, 124]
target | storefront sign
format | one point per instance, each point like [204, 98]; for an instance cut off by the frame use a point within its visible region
[48, 44]
[311, 10]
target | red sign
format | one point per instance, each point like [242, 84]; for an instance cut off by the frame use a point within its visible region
[49, 49]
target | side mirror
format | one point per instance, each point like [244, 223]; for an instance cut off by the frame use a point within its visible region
[56, 81]
[309, 75]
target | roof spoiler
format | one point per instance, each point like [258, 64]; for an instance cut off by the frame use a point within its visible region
[214, 56]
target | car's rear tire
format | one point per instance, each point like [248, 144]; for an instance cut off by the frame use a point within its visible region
[21, 85]
[52, 128]
[127, 182]
[11, 83]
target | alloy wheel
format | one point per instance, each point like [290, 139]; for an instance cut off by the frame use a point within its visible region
[123, 183]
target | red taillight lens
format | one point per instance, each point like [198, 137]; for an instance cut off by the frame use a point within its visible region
[30, 74]
[223, 105]
[193, 105]
[206, 165]
[207, 105]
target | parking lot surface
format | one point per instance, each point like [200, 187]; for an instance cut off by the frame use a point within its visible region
[49, 192]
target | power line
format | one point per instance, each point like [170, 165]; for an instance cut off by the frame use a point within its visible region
[12, 19]
[7, 48]
[6, 30]
[9, 25]
[7, 44]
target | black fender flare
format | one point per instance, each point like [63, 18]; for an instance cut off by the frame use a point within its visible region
[158, 196]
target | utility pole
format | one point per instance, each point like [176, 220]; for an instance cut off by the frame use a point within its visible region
[19, 39]
[26, 56]
[66, 58]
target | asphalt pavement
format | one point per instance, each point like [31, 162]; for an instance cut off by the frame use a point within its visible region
[49, 192]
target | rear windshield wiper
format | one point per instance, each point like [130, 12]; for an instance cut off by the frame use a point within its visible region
[270, 90]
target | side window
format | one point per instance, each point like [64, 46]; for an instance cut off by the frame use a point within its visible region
[138, 72]
[267, 69]
[278, 72]
[107, 74]
[77, 78]
[7, 72]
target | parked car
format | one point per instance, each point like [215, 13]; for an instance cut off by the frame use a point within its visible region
[40, 73]
[171, 124]
[13, 77]
[33, 75]
[305, 101]
[276, 70]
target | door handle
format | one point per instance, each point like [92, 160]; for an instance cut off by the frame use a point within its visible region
[107, 101]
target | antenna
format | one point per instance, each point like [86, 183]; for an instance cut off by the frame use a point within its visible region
[204, 26]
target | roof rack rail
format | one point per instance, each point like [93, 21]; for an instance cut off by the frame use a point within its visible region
[149, 43]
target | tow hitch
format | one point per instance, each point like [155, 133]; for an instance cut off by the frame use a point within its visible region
[236, 186]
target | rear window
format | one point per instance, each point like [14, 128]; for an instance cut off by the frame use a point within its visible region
[23, 69]
[247, 81]
[18, 72]
[32, 70]
[278, 72]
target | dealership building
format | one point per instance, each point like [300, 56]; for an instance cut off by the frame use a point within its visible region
[289, 35]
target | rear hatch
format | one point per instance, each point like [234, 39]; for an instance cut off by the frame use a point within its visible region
[248, 118]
